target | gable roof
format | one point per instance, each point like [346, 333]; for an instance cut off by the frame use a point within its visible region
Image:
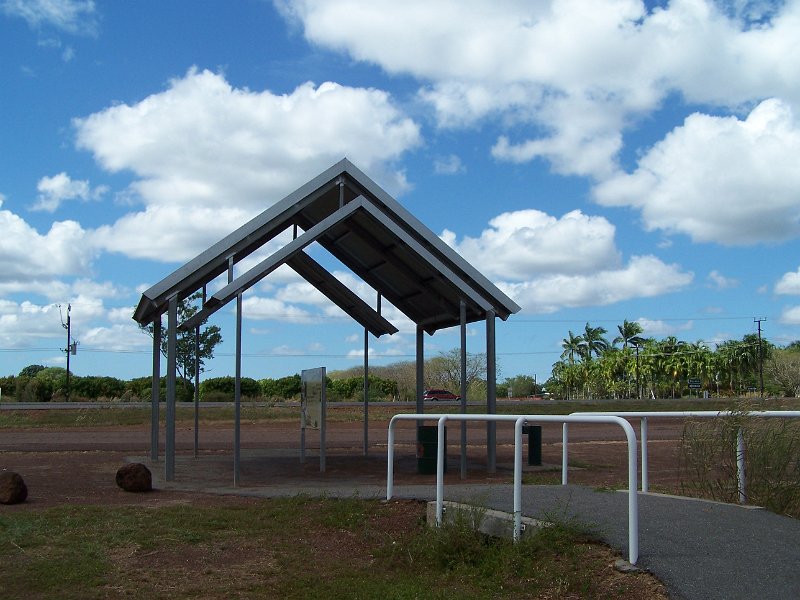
[369, 232]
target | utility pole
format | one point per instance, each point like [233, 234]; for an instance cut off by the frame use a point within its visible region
[760, 355]
[72, 347]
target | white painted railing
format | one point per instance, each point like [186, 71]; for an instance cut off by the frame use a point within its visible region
[519, 421]
[691, 414]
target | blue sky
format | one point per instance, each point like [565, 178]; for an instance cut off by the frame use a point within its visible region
[598, 161]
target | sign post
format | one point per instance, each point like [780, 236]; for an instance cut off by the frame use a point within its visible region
[313, 410]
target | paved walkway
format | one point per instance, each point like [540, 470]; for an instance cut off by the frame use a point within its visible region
[700, 550]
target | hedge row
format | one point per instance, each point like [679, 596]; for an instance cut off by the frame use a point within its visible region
[50, 384]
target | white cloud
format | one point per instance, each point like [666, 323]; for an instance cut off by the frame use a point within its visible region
[203, 146]
[285, 350]
[657, 328]
[719, 281]
[168, 233]
[71, 16]
[518, 62]
[642, 277]
[259, 308]
[118, 337]
[375, 352]
[520, 244]
[202, 141]
[789, 283]
[448, 165]
[95, 289]
[719, 179]
[121, 314]
[22, 324]
[25, 323]
[58, 290]
[791, 315]
[55, 190]
[28, 256]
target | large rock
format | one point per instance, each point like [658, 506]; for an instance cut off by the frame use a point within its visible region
[135, 477]
[12, 488]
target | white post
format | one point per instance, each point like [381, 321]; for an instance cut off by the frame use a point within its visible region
[518, 477]
[564, 453]
[441, 457]
[633, 497]
[643, 427]
[740, 474]
[390, 461]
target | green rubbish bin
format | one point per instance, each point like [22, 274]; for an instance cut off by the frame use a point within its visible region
[427, 449]
[534, 444]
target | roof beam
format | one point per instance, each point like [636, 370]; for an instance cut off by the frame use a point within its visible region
[468, 293]
[359, 183]
[269, 264]
[386, 250]
[239, 244]
[340, 294]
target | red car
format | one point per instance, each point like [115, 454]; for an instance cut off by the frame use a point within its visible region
[439, 395]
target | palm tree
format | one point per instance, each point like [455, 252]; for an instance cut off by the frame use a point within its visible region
[593, 341]
[572, 345]
[629, 334]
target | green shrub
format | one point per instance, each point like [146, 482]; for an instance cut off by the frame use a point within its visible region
[8, 385]
[53, 377]
[38, 390]
[31, 370]
[222, 389]
[93, 387]
[352, 388]
[345, 389]
[140, 388]
[284, 388]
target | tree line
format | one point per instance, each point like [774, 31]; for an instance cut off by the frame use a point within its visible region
[628, 366]
[634, 366]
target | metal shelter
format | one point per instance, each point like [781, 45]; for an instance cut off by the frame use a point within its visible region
[346, 213]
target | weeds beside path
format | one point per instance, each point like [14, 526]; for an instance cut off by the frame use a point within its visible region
[290, 548]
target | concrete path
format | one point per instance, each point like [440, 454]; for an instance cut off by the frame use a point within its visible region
[700, 550]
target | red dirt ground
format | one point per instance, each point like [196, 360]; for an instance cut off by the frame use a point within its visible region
[77, 465]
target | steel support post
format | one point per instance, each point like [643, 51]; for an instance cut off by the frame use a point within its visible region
[196, 389]
[237, 394]
[491, 393]
[420, 370]
[172, 334]
[366, 392]
[155, 389]
[463, 391]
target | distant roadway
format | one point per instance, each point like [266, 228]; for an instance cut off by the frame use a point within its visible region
[82, 405]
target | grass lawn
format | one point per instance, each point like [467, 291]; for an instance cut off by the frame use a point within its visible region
[293, 548]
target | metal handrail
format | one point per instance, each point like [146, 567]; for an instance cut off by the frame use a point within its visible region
[519, 421]
[701, 414]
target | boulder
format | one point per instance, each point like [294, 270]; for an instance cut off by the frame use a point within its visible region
[12, 488]
[135, 477]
